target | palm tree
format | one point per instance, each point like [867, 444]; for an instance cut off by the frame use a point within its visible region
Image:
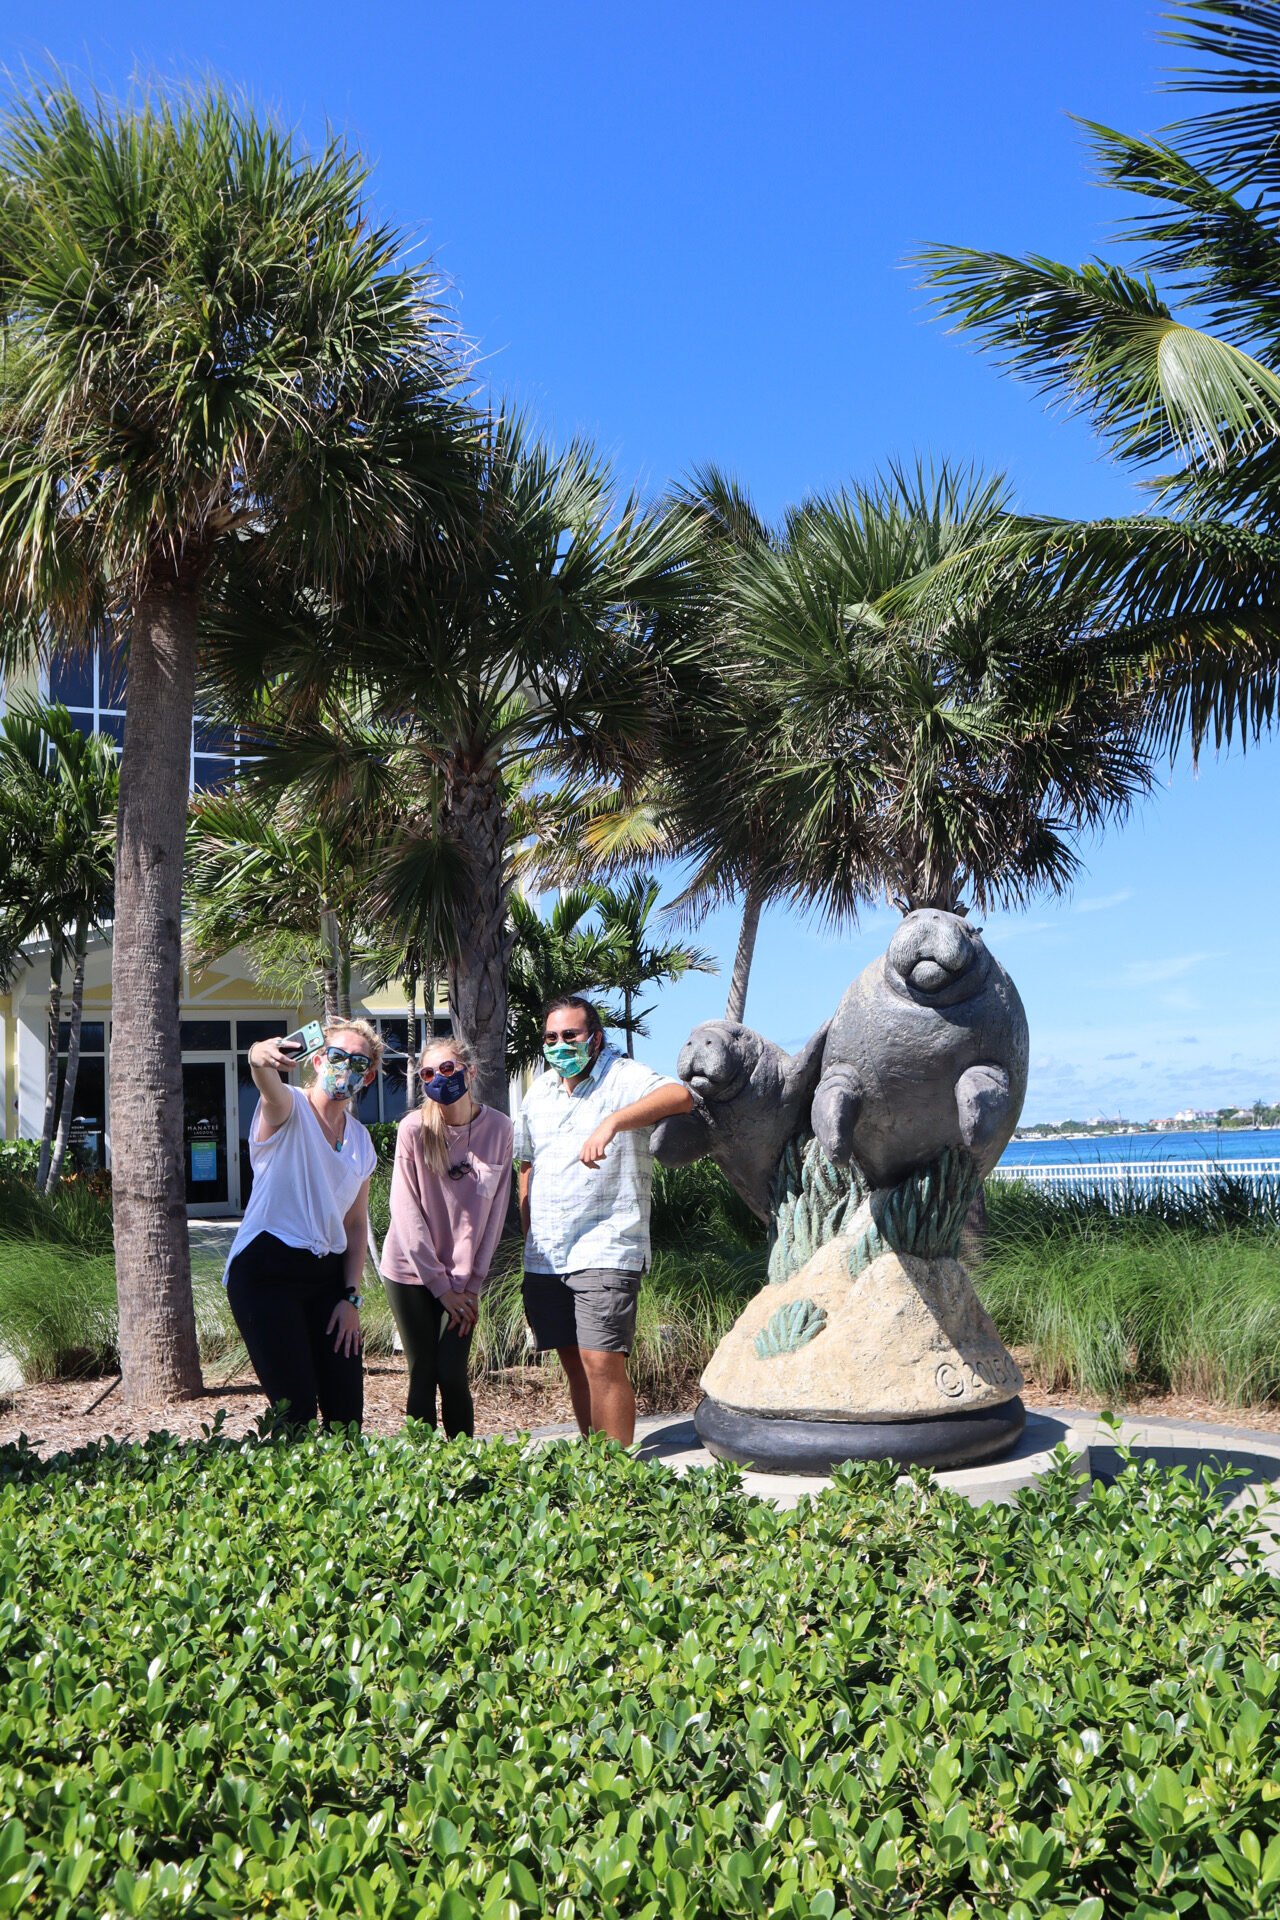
[214, 363]
[256, 870]
[928, 761]
[1188, 601]
[58, 792]
[632, 962]
[549, 958]
[708, 754]
[713, 796]
[539, 630]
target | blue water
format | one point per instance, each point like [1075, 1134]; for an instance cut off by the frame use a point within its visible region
[1245, 1144]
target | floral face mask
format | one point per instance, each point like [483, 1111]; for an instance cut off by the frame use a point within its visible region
[339, 1082]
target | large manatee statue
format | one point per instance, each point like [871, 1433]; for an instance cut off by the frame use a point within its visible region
[863, 1152]
[927, 1050]
[751, 1098]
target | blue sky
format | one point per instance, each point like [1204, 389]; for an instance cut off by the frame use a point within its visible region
[680, 229]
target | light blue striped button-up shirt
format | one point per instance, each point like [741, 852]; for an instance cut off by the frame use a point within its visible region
[578, 1216]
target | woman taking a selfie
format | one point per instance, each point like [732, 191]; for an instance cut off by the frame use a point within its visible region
[293, 1276]
[449, 1194]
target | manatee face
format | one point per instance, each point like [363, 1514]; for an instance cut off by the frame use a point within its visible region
[927, 1050]
[751, 1097]
[936, 960]
[719, 1059]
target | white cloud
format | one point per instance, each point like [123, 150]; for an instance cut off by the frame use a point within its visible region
[1154, 973]
[1106, 900]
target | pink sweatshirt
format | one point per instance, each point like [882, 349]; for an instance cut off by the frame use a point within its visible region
[443, 1232]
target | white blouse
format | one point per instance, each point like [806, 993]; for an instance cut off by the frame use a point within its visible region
[303, 1189]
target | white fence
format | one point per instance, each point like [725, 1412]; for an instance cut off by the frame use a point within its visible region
[1118, 1177]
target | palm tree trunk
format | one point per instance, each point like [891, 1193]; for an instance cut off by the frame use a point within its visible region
[73, 1057]
[51, 1060]
[626, 1014]
[344, 975]
[159, 1355]
[473, 817]
[411, 1045]
[751, 906]
[332, 948]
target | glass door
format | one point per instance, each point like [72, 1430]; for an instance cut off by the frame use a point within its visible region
[210, 1172]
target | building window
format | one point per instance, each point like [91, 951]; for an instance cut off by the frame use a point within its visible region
[90, 683]
[205, 1036]
[388, 1098]
[87, 1136]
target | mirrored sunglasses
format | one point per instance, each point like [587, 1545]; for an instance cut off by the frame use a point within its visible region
[338, 1057]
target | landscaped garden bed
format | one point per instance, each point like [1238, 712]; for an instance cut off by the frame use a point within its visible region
[404, 1677]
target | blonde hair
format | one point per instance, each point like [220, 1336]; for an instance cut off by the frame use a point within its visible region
[435, 1141]
[365, 1028]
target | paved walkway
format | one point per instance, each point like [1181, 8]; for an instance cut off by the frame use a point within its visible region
[1254, 1456]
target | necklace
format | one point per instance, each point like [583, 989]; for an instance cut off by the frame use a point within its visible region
[324, 1128]
[464, 1166]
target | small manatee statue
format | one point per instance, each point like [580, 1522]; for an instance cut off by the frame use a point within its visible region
[927, 1050]
[751, 1098]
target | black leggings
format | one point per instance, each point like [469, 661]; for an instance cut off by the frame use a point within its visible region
[435, 1359]
[282, 1298]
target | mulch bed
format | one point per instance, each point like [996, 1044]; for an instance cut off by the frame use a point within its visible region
[59, 1416]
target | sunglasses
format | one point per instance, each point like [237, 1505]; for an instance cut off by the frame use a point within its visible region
[460, 1172]
[338, 1057]
[570, 1034]
[442, 1067]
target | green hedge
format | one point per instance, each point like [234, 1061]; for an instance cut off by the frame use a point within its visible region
[409, 1678]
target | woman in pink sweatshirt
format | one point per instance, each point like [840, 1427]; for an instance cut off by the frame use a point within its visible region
[449, 1193]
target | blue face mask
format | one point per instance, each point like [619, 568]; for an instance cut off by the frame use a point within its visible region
[446, 1089]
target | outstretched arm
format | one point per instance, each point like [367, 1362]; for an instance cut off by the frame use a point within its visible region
[671, 1097]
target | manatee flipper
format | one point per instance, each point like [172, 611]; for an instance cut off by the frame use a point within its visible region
[804, 1069]
[982, 1102]
[681, 1138]
[836, 1107]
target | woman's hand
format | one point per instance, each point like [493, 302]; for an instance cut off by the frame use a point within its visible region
[269, 1053]
[461, 1307]
[346, 1319]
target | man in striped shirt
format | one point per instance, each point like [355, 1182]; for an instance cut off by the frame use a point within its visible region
[586, 1174]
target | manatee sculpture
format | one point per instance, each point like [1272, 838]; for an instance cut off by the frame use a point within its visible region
[863, 1152]
[750, 1096]
[927, 1050]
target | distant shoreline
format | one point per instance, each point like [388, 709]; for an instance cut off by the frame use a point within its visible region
[1135, 1133]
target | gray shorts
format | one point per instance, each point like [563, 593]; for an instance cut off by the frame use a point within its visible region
[595, 1308]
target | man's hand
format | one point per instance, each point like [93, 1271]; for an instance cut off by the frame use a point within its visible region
[462, 1308]
[597, 1144]
[346, 1319]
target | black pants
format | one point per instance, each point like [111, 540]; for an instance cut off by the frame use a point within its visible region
[435, 1359]
[282, 1298]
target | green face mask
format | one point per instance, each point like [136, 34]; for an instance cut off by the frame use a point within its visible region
[568, 1057]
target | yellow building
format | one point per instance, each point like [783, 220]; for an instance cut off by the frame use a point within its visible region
[221, 1013]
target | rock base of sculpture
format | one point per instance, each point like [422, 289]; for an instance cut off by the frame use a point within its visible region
[783, 1444]
[853, 1357]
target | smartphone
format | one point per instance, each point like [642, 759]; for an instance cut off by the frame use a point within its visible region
[305, 1040]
